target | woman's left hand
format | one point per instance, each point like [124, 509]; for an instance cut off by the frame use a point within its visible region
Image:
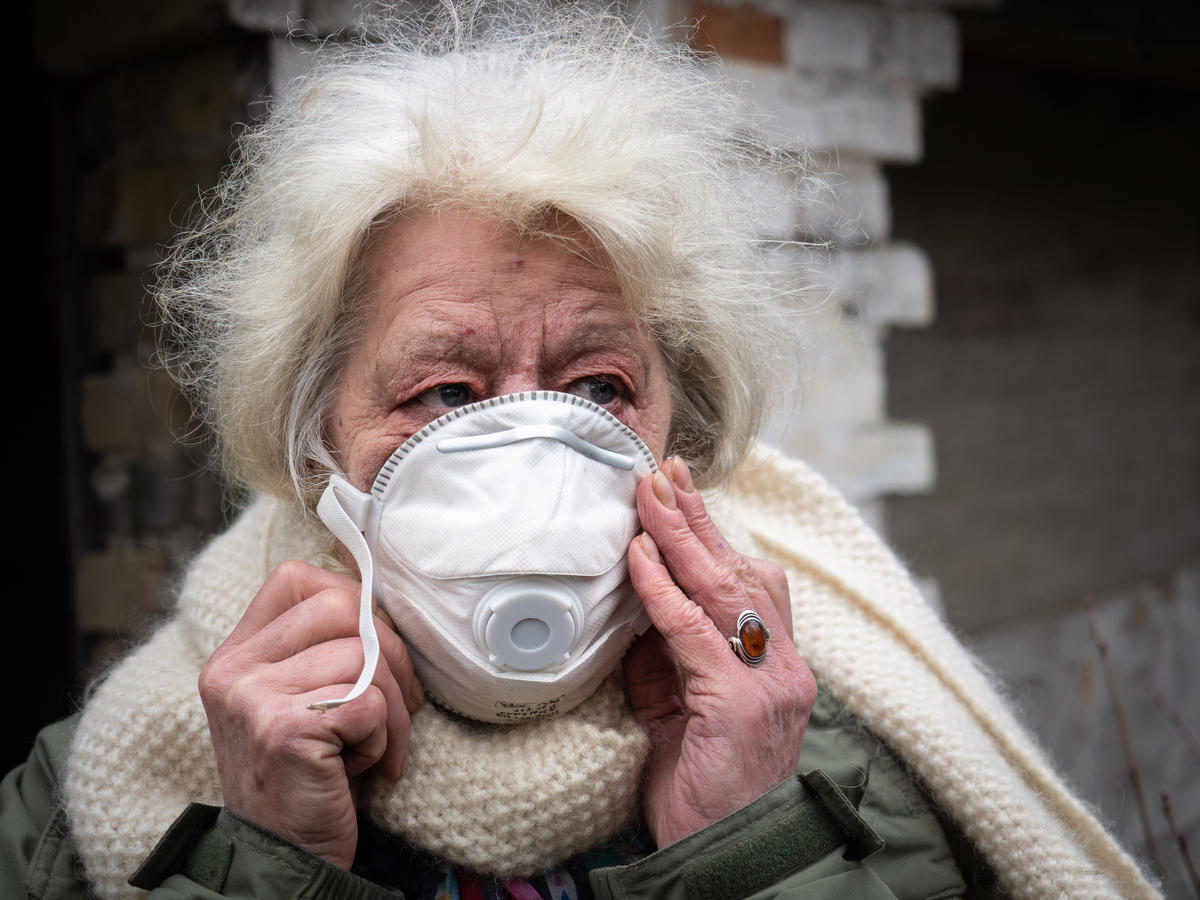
[723, 732]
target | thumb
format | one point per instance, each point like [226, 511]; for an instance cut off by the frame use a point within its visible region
[652, 678]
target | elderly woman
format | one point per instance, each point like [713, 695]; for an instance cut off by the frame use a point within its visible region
[476, 320]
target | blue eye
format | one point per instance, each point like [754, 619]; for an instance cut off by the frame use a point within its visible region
[446, 395]
[598, 388]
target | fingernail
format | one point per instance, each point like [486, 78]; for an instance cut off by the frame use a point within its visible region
[663, 490]
[681, 476]
[649, 549]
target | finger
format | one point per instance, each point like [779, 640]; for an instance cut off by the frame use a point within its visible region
[691, 504]
[655, 690]
[403, 694]
[776, 584]
[330, 668]
[651, 678]
[394, 761]
[288, 584]
[359, 731]
[399, 661]
[368, 736]
[716, 587]
[686, 627]
[328, 664]
[704, 563]
[407, 699]
[324, 616]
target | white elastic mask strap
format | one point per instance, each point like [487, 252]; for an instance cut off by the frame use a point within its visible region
[338, 521]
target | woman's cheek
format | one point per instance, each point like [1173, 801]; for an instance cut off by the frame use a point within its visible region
[369, 451]
[652, 425]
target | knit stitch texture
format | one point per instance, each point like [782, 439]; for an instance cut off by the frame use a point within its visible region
[517, 799]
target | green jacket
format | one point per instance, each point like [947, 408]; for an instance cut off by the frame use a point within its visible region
[851, 824]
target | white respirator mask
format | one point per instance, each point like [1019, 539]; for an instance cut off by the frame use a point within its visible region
[496, 539]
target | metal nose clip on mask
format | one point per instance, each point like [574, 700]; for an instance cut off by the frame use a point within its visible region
[496, 539]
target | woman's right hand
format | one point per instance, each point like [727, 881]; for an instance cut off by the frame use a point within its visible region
[287, 768]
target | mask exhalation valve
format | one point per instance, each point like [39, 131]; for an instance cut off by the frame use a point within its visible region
[528, 623]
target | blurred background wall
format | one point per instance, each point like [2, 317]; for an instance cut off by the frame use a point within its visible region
[1000, 362]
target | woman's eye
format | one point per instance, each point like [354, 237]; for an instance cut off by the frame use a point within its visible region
[446, 395]
[600, 389]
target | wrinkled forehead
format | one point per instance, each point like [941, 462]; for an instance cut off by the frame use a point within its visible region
[408, 235]
[444, 268]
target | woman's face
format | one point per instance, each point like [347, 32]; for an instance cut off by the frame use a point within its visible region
[461, 310]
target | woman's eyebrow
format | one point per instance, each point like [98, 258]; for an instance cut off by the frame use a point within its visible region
[439, 342]
[412, 354]
[604, 337]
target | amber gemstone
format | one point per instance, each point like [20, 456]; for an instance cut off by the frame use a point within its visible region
[753, 637]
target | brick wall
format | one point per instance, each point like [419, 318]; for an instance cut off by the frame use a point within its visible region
[148, 97]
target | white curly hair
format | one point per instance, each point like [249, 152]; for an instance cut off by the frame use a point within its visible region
[522, 115]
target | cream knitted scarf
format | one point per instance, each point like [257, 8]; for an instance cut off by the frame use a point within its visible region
[496, 798]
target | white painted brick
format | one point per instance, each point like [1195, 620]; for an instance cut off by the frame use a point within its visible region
[891, 284]
[853, 207]
[840, 390]
[923, 46]
[780, 221]
[836, 419]
[891, 458]
[896, 282]
[858, 118]
[865, 461]
[829, 37]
